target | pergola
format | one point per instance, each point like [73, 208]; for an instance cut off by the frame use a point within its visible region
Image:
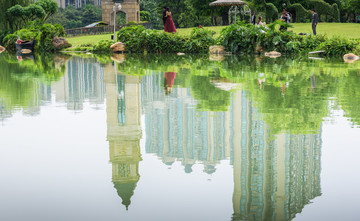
[234, 4]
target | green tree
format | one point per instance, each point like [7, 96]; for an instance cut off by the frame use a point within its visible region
[50, 7]
[22, 15]
[4, 6]
[89, 16]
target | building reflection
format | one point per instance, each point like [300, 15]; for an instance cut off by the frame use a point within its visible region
[274, 176]
[123, 100]
[83, 81]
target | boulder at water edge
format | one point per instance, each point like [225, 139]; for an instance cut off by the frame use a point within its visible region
[217, 49]
[60, 43]
[273, 54]
[26, 51]
[351, 56]
[118, 47]
[2, 49]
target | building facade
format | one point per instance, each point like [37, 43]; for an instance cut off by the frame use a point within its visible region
[76, 3]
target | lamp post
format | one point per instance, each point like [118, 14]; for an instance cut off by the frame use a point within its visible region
[116, 7]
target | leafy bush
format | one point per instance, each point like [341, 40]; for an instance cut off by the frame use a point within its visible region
[338, 46]
[103, 47]
[145, 16]
[42, 34]
[9, 41]
[138, 40]
[246, 38]
[200, 40]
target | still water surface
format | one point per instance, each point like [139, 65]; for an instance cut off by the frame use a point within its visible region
[178, 138]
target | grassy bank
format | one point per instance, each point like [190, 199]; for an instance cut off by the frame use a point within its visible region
[347, 30]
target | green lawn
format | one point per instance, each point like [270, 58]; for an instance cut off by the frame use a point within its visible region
[348, 30]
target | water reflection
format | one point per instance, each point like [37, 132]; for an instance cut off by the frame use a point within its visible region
[275, 176]
[265, 118]
[123, 105]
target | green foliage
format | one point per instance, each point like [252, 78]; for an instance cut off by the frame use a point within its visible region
[138, 40]
[103, 47]
[22, 15]
[325, 9]
[200, 41]
[89, 16]
[50, 7]
[47, 33]
[299, 13]
[10, 40]
[72, 17]
[271, 12]
[336, 12]
[339, 46]
[43, 35]
[145, 16]
[240, 37]
[245, 38]
[209, 97]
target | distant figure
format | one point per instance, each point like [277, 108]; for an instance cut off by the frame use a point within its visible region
[253, 18]
[285, 17]
[169, 81]
[169, 24]
[260, 23]
[315, 19]
[164, 16]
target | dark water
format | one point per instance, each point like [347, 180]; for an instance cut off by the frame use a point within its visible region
[178, 138]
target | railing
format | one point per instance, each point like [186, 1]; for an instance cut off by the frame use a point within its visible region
[99, 30]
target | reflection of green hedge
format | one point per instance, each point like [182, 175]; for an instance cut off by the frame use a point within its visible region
[209, 97]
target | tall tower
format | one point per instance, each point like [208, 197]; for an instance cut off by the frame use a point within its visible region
[123, 103]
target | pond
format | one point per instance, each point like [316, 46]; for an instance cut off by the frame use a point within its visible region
[167, 137]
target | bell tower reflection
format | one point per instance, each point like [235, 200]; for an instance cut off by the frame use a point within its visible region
[123, 97]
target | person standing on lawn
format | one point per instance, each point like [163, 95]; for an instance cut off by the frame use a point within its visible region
[315, 19]
[169, 24]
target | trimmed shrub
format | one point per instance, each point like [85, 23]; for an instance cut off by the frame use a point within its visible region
[271, 12]
[300, 14]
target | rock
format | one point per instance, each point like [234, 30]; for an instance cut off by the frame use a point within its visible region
[217, 49]
[351, 56]
[2, 49]
[180, 53]
[60, 43]
[119, 58]
[273, 54]
[118, 47]
[216, 57]
[26, 51]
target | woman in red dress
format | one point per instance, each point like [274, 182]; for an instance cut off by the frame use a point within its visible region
[169, 23]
